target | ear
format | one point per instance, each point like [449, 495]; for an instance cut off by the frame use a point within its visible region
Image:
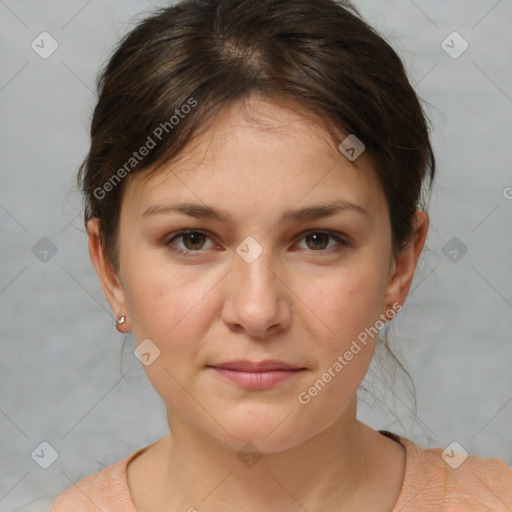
[404, 264]
[110, 282]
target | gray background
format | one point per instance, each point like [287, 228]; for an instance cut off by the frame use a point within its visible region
[62, 358]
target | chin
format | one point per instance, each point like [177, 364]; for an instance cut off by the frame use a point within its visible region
[268, 433]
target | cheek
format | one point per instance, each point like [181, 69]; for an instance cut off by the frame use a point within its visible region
[348, 306]
[346, 303]
[172, 307]
[175, 305]
[166, 303]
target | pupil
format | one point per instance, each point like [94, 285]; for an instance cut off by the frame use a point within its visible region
[315, 237]
[194, 235]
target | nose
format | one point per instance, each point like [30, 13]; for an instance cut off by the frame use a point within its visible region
[257, 297]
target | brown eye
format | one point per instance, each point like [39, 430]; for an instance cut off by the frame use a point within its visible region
[192, 241]
[195, 240]
[318, 240]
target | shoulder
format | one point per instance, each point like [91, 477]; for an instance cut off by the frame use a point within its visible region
[76, 498]
[482, 484]
[105, 490]
[449, 478]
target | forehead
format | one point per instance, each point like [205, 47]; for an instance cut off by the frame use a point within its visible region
[259, 152]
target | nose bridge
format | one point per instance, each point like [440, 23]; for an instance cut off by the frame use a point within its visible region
[255, 301]
[253, 266]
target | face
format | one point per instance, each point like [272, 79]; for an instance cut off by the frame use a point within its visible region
[257, 285]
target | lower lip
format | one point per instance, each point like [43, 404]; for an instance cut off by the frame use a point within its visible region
[257, 380]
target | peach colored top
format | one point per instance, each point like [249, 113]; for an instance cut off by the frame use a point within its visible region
[430, 484]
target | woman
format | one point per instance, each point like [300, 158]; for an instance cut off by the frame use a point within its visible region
[253, 193]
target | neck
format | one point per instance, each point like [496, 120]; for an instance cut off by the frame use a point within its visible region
[329, 467]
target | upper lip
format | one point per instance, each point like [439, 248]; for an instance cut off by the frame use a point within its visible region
[261, 366]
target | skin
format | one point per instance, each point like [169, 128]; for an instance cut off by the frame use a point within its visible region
[301, 301]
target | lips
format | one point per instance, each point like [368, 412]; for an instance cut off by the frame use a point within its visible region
[261, 366]
[256, 376]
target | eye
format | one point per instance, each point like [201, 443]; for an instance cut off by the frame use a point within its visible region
[193, 241]
[318, 240]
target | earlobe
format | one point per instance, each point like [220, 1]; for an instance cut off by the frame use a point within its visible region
[404, 265]
[110, 282]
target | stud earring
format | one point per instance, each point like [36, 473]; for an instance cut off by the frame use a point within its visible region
[121, 320]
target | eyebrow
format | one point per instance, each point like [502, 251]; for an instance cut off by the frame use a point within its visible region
[312, 212]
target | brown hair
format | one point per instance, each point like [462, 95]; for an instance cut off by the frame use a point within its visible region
[173, 74]
[169, 78]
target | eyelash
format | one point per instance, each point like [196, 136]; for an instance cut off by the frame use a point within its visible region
[341, 241]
